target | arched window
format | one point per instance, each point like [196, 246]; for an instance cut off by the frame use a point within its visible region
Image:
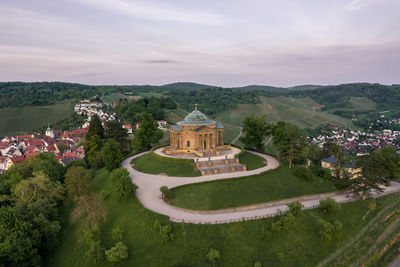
[188, 143]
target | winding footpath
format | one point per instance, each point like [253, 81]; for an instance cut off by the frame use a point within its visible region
[150, 196]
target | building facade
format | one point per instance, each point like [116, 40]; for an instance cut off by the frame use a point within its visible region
[197, 135]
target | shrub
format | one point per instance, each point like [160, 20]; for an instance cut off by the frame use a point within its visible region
[276, 226]
[342, 183]
[167, 194]
[288, 221]
[303, 173]
[321, 172]
[329, 205]
[265, 234]
[329, 231]
[295, 208]
[166, 233]
[117, 253]
[213, 256]
[257, 264]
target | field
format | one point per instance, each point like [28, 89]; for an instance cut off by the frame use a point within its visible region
[240, 244]
[362, 103]
[154, 164]
[23, 119]
[268, 186]
[298, 111]
[111, 98]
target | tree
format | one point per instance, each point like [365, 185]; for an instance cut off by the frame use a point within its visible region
[112, 156]
[368, 179]
[329, 205]
[255, 130]
[92, 149]
[95, 127]
[89, 208]
[91, 236]
[18, 246]
[37, 188]
[48, 164]
[289, 141]
[296, 208]
[77, 182]
[147, 134]
[115, 131]
[166, 193]
[61, 148]
[122, 184]
[117, 253]
[213, 256]
[337, 152]
[384, 163]
[117, 234]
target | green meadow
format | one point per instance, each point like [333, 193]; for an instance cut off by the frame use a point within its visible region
[19, 120]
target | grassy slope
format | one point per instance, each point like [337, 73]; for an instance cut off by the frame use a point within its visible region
[239, 243]
[150, 163]
[273, 185]
[298, 111]
[23, 119]
[252, 161]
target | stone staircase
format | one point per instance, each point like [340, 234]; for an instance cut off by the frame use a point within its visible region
[220, 166]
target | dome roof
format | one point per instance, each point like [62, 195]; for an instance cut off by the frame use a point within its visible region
[196, 118]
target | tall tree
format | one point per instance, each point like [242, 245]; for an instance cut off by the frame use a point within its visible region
[122, 183]
[289, 141]
[92, 149]
[95, 127]
[37, 188]
[255, 130]
[337, 152]
[77, 182]
[367, 180]
[115, 131]
[19, 242]
[112, 156]
[385, 163]
[91, 209]
[147, 134]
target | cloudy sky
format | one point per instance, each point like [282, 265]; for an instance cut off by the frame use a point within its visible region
[219, 42]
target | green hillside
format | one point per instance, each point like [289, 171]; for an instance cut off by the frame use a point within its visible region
[22, 119]
[298, 111]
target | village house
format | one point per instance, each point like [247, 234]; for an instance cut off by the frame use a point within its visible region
[351, 167]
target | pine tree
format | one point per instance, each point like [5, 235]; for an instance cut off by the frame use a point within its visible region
[96, 127]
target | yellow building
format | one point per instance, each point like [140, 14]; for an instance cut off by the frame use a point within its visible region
[197, 135]
[352, 168]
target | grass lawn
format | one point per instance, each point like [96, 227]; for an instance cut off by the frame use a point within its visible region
[24, 119]
[154, 164]
[240, 244]
[277, 184]
[252, 161]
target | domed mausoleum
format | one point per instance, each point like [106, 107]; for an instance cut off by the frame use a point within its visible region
[197, 135]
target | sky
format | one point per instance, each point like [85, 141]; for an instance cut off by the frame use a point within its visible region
[217, 42]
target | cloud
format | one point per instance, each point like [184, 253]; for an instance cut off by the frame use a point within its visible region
[359, 4]
[162, 61]
[154, 12]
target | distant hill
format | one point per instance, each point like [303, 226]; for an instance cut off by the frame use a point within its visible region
[186, 85]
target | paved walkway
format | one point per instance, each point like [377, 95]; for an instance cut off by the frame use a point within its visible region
[150, 196]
